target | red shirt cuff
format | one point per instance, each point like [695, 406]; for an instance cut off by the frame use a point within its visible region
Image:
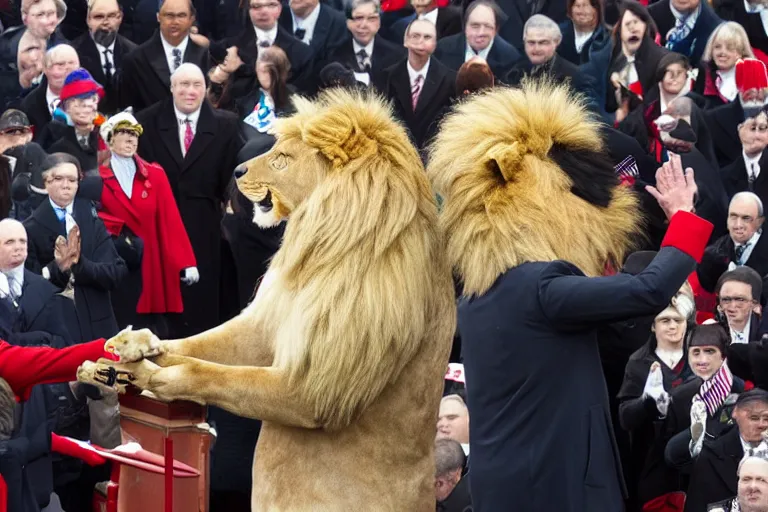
[688, 233]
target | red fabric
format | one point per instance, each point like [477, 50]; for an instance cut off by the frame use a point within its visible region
[3, 496]
[751, 74]
[670, 502]
[748, 384]
[25, 367]
[710, 87]
[689, 233]
[759, 55]
[151, 213]
[650, 114]
[80, 87]
[637, 88]
[705, 301]
[64, 446]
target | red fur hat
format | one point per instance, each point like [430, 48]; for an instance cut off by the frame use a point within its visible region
[751, 74]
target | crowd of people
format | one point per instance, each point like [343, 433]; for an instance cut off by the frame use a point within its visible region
[122, 124]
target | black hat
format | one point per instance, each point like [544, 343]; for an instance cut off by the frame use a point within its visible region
[13, 118]
[684, 132]
[710, 335]
[638, 261]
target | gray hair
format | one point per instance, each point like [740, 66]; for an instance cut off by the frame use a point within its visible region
[539, 21]
[748, 195]
[449, 456]
[680, 107]
[349, 7]
[56, 51]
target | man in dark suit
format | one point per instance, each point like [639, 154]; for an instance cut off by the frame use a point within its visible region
[541, 37]
[481, 38]
[745, 173]
[197, 147]
[102, 50]
[40, 17]
[421, 87]
[39, 105]
[366, 51]
[743, 245]
[264, 31]
[714, 475]
[317, 25]
[146, 76]
[685, 26]
[517, 12]
[83, 257]
[447, 20]
[32, 301]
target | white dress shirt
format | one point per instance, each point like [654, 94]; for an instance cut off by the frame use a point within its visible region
[741, 336]
[308, 24]
[728, 83]
[51, 99]
[169, 51]
[265, 35]
[429, 16]
[412, 74]
[469, 52]
[181, 117]
[581, 38]
[111, 49]
[750, 162]
[356, 47]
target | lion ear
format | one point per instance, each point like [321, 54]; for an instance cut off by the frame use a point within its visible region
[337, 137]
[507, 159]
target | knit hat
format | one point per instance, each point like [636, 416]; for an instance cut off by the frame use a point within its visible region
[751, 74]
[710, 336]
[80, 84]
[121, 121]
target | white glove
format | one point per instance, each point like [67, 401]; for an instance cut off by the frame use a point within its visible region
[5, 287]
[191, 276]
[698, 426]
[654, 388]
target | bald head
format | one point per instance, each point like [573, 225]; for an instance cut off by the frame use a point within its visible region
[188, 88]
[13, 244]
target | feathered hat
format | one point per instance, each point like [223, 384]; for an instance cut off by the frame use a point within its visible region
[121, 121]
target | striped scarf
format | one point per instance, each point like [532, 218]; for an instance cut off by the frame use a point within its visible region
[716, 389]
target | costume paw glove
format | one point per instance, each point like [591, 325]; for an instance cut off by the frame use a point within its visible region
[191, 276]
[654, 388]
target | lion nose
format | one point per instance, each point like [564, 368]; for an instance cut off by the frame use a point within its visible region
[240, 171]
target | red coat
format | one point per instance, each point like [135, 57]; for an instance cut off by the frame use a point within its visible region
[25, 367]
[151, 213]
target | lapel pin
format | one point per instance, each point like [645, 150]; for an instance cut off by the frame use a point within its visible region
[144, 195]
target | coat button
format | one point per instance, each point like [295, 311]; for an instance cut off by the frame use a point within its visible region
[144, 195]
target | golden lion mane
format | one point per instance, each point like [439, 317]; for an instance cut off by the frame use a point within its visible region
[362, 267]
[507, 202]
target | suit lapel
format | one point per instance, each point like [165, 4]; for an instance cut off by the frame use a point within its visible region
[168, 126]
[320, 34]
[206, 132]
[158, 61]
[89, 52]
[193, 53]
[48, 219]
[431, 83]
[402, 84]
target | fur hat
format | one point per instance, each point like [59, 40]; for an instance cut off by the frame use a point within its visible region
[121, 121]
[751, 74]
[80, 84]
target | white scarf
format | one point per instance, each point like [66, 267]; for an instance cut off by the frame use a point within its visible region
[125, 170]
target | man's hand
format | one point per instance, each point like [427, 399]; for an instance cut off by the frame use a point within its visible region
[675, 189]
[66, 251]
[232, 61]
[74, 242]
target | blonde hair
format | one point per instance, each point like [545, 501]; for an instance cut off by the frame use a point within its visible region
[61, 7]
[733, 35]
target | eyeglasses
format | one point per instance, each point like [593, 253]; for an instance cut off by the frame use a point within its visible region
[101, 17]
[61, 179]
[373, 18]
[740, 301]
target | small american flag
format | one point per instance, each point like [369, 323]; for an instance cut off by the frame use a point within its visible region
[627, 170]
[715, 390]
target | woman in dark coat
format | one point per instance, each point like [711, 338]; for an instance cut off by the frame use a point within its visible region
[640, 413]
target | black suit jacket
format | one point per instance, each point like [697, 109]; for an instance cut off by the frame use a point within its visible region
[736, 179]
[244, 79]
[98, 272]
[723, 122]
[91, 60]
[518, 12]
[434, 100]
[199, 183]
[146, 75]
[693, 45]
[452, 50]
[39, 315]
[646, 61]
[60, 137]
[36, 108]
[385, 55]
[329, 33]
[722, 252]
[561, 70]
[448, 24]
[713, 477]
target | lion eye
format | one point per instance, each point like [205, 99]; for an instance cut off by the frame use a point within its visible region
[280, 161]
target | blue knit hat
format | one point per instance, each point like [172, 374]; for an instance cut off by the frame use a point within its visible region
[80, 84]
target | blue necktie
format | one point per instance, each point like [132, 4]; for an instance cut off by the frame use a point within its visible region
[61, 214]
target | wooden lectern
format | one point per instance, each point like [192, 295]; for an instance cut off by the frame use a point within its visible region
[176, 430]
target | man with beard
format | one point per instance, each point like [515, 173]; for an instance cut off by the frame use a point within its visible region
[102, 50]
[724, 121]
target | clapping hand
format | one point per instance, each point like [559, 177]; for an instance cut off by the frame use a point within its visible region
[675, 189]
[67, 250]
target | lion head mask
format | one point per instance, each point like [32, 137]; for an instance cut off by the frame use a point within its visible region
[524, 177]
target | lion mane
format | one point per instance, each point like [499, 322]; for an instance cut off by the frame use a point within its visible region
[361, 273]
[524, 178]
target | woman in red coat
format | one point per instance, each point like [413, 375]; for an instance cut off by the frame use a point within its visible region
[138, 208]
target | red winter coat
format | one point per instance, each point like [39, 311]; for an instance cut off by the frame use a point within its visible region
[151, 213]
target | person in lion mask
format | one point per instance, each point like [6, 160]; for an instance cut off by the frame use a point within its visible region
[534, 213]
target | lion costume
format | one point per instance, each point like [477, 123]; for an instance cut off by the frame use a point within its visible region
[343, 349]
[532, 207]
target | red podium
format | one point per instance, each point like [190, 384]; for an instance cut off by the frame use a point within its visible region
[177, 430]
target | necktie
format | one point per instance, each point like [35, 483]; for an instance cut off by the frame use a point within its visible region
[680, 31]
[300, 33]
[83, 141]
[14, 287]
[740, 252]
[176, 58]
[752, 177]
[416, 91]
[362, 60]
[61, 214]
[107, 65]
[54, 104]
[264, 44]
[188, 135]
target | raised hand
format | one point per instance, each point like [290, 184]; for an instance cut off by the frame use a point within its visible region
[675, 189]
[61, 254]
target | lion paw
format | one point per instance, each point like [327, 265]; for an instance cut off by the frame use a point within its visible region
[133, 345]
[117, 376]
